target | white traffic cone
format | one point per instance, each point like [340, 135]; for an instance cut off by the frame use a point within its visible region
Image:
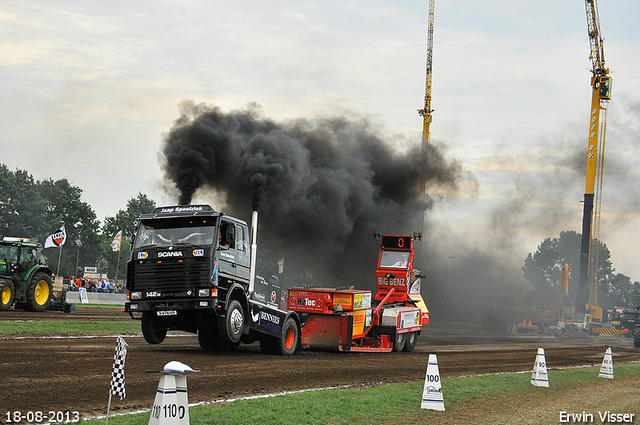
[432, 397]
[606, 370]
[539, 378]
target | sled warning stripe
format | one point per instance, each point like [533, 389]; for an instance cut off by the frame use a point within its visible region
[607, 331]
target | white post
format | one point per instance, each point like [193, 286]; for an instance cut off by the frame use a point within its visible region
[171, 405]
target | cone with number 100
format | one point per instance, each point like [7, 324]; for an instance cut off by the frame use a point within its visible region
[432, 394]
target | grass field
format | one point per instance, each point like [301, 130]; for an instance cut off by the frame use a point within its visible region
[497, 399]
[68, 327]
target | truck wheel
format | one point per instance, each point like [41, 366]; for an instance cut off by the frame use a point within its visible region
[232, 324]
[636, 337]
[154, 332]
[410, 342]
[268, 345]
[7, 291]
[208, 338]
[398, 344]
[289, 338]
[39, 292]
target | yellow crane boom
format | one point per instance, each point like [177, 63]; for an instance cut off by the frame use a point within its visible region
[587, 295]
[426, 114]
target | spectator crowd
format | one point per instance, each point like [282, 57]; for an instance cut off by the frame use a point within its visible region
[99, 284]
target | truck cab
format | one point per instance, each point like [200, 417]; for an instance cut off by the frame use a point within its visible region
[188, 265]
[191, 269]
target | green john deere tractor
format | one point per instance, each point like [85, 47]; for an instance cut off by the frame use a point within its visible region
[24, 280]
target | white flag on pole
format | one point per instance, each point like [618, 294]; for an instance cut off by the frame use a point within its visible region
[57, 239]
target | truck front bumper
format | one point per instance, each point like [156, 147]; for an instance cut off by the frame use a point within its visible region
[170, 307]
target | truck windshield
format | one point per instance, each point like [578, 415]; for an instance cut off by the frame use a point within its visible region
[396, 259]
[166, 234]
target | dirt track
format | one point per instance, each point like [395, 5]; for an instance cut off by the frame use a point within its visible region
[73, 373]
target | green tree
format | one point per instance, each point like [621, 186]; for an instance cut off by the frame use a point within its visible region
[543, 269]
[63, 206]
[124, 220]
[621, 292]
[21, 207]
[36, 209]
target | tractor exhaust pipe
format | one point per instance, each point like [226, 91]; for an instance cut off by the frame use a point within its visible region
[254, 249]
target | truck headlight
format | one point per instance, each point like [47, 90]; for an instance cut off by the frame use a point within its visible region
[136, 295]
[203, 303]
[133, 306]
[204, 292]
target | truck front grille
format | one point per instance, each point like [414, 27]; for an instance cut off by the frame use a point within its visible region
[170, 275]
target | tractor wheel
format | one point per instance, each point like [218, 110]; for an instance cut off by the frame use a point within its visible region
[636, 337]
[153, 330]
[410, 342]
[398, 344]
[289, 338]
[39, 292]
[232, 324]
[7, 292]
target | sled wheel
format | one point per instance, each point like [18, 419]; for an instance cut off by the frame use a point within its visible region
[154, 332]
[398, 344]
[289, 338]
[636, 337]
[410, 342]
[7, 291]
[39, 292]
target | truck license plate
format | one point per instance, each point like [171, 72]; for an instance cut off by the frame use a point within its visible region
[167, 313]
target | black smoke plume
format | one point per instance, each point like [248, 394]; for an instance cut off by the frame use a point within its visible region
[322, 185]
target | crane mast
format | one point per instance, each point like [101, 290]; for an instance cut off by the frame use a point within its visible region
[587, 295]
[426, 115]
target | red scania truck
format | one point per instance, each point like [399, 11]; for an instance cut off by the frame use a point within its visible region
[193, 269]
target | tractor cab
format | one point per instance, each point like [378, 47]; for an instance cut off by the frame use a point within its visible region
[18, 256]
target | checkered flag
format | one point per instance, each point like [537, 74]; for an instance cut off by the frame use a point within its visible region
[117, 377]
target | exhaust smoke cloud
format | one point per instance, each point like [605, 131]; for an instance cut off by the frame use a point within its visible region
[322, 184]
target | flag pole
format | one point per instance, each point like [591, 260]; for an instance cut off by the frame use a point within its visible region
[59, 257]
[117, 266]
[117, 375]
[108, 408]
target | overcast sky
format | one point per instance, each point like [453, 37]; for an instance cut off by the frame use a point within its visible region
[88, 88]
